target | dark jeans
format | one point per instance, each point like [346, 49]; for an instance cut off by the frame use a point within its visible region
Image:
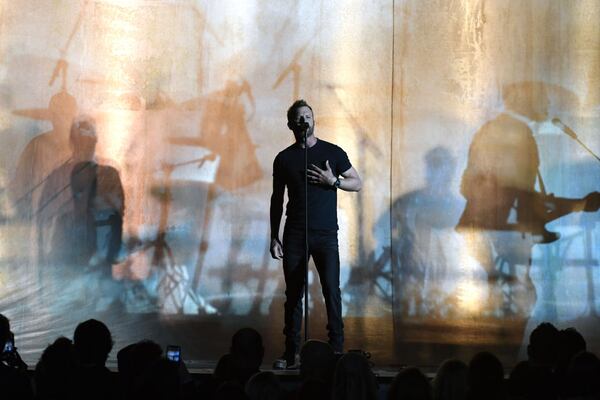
[323, 247]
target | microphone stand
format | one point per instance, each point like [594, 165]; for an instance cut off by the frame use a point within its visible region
[587, 239]
[585, 147]
[305, 235]
[571, 133]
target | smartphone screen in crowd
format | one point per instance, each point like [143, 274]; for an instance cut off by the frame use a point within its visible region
[9, 346]
[174, 353]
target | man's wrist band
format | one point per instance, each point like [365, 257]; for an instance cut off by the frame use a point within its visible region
[337, 183]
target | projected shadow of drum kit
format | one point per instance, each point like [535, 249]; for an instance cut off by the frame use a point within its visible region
[222, 157]
[174, 286]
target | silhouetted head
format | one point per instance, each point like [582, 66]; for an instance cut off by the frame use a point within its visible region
[353, 379]
[4, 330]
[224, 369]
[410, 384]
[300, 118]
[450, 381]
[63, 109]
[518, 379]
[54, 371]
[247, 349]
[570, 342]
[440, 166]
[317, 361]
[543, 344]
[263, 386]
[583, 376]
[132, 360]
[531, 382]
[486, 376]
[83, 138]
[160, 381]
[527, 98]
[58, 354]
[93, 342]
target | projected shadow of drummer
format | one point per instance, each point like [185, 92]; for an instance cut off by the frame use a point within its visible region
[50, 149]
[507, 205]
[80, 219]
[423, 250]
[43, 153]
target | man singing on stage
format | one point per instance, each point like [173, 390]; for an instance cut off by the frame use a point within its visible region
[326, 162]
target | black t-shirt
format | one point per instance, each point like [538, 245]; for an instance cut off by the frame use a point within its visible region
[288, 168]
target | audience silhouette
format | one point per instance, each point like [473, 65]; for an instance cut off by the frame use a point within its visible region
[247, 353]
[235, 368]
[92, 342]
[582, 380]
[163, 380]
[353, 379]
[410, 384]
[317, 361]
[485, 378]
[54, 371]
[542, 347]
[530, 382]
[263, 386]
[450, 382]
[133, 362]
[570, 342]
[14, 383]
[558, 367]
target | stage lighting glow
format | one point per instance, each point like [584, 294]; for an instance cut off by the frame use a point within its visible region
[118, 52]
[347, 64]
[470, 296]
[470, 290]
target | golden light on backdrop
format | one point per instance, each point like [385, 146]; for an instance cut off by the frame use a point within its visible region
[346, 58]
[582, 54]
[118, 54]
[469, 62]
[471, 291]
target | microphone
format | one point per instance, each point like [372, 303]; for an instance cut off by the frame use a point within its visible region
[304, 128]
[558, 123]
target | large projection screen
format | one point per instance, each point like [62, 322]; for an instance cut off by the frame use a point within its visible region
[466, 120]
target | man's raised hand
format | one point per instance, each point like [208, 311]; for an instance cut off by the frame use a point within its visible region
[318, 176]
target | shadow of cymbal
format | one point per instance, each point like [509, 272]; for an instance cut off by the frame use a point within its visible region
[186, 141]
[38, 114]
[62, 105]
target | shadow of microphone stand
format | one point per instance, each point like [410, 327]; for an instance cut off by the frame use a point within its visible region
[588, 226]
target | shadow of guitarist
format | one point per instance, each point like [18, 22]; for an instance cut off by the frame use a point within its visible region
[505, 215]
